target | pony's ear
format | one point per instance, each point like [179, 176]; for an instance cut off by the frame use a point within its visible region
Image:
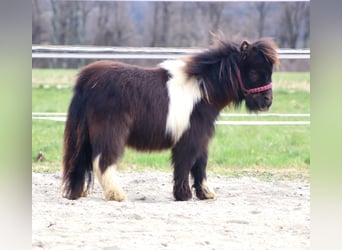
[244, 49]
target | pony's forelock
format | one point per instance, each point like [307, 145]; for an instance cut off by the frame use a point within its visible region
[269, 49]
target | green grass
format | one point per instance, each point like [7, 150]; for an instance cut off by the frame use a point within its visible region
[53, 77]
[264, 151]
[291, 77]
[50, 99]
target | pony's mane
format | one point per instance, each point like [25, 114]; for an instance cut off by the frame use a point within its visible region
[218, 66]
[220, 50]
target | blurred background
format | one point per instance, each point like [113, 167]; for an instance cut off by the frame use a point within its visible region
[69, 34]
[167, 24]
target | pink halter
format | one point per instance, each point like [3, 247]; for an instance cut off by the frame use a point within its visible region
[253, 90]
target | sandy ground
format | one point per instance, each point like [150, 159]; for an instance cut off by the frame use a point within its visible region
[247, 214]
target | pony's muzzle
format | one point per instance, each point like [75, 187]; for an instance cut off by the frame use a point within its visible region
[265, 106]
[260, 101]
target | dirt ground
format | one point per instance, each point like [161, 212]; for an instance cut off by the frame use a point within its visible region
[247, 214]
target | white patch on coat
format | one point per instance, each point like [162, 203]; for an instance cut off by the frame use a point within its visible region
[184, 93]
[109, 181]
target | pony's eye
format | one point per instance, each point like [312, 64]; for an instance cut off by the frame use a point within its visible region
[253, 75]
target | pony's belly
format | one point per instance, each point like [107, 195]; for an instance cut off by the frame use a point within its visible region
[149, 140]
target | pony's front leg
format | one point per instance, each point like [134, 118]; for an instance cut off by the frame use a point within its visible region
[182, 163]
[108, 180]
[198, 172]
[181, 188]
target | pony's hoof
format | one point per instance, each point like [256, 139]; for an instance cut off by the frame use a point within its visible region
[84, 194]
[71, 195]
[115, 196]
[204, 192]
[182, 194]
[183, 197]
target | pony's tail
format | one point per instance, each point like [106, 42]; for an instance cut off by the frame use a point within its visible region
[77, 155]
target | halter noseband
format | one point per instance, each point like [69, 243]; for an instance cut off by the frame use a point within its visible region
[253, 90]
[245, 91]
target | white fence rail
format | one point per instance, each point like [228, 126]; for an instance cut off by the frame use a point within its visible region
[61, 117]
[96, 52]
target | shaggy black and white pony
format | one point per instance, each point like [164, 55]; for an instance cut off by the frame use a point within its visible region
[172, 106]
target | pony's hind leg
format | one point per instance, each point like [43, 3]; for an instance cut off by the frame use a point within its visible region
[108, 138]
[108, 179]
[198, 172]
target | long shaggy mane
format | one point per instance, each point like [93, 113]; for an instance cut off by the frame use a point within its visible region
[219, 68]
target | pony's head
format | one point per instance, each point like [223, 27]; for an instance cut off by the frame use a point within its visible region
[256, 68]
[233, 72]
